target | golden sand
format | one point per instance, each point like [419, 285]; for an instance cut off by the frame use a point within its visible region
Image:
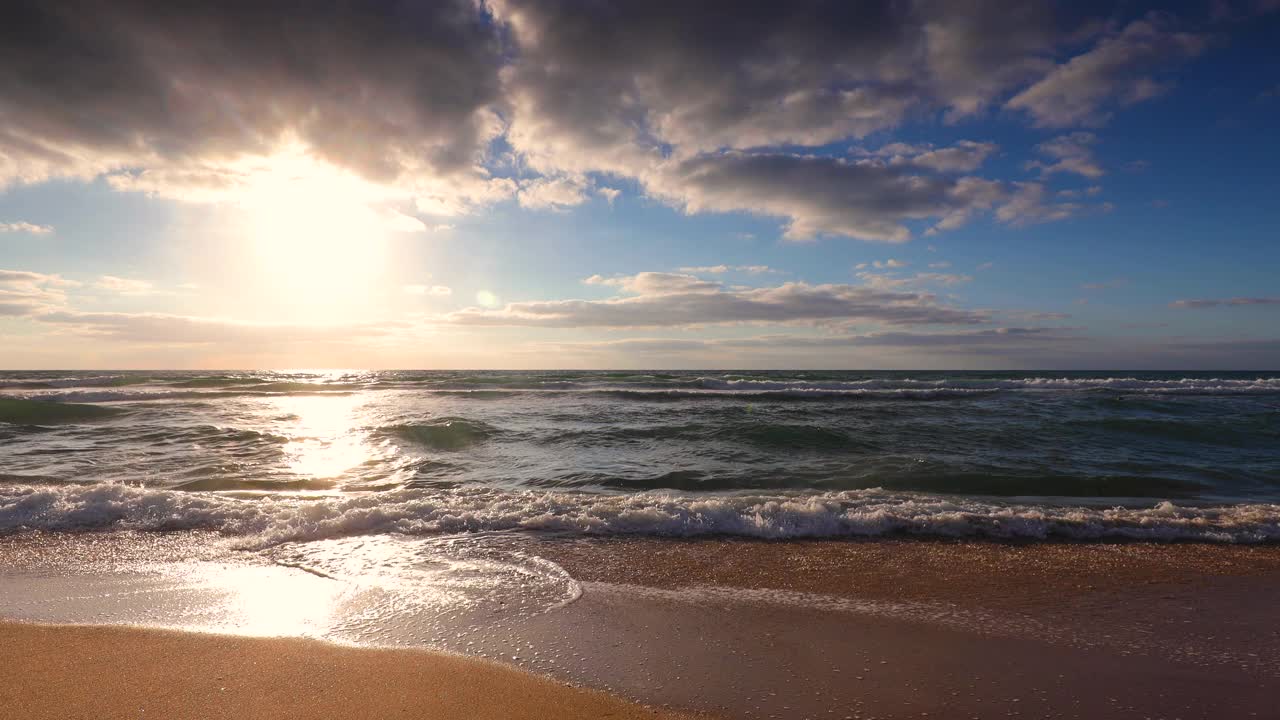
[101, 673]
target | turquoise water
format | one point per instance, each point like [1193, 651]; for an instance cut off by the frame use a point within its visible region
[770, 454]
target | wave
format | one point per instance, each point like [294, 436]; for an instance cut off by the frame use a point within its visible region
[78, 381]
[787, 436]
[264, 520]
[219, 484]
[36, 412]
[306, 387]
[642, 387]
[478, 394]
[161, 394]
[796, 393]
[216, 381]
[104, 396]
[203, 434]
[1234, 431]
[1128, 384]
[677, 387]
[450, 433]
[731, 383]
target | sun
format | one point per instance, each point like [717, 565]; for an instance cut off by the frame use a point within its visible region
[319, 237]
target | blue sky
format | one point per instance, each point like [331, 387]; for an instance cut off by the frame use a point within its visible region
[527, 183]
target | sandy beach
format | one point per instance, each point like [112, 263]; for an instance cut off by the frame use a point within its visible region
[110, 672]
[733, 629]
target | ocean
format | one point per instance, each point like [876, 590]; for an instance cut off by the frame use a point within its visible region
[266, 458]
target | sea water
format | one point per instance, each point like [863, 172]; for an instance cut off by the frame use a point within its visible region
[266, 458]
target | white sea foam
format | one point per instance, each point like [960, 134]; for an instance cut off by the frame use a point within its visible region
[263, 520]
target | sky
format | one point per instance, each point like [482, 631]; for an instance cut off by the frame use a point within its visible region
[564, 184]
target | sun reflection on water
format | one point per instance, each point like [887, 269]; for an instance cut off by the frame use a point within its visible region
[328, 434]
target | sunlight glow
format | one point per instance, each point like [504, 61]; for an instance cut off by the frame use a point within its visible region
[269, 601]
[319, 235]
[487, 299]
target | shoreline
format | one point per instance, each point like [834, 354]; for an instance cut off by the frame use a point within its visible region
[745, 628]
[977, 572]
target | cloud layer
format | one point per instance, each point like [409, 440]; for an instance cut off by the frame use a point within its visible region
[679, 300]
[707, 106]
[24, 294]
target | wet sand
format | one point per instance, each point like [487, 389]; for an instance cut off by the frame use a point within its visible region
[972, 573]
[909, 629]
[752, 629]
[99, 673]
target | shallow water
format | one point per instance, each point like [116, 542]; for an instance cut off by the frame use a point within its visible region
[271, 457]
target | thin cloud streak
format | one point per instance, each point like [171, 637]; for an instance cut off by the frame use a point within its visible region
[1227, 302]
[674, 300]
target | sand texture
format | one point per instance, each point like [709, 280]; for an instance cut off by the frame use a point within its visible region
[100, 673]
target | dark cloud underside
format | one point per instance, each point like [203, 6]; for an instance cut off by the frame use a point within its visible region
[703, 103]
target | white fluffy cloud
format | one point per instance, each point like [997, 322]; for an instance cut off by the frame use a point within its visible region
[24, 293]
[552, 193]
[26, 227]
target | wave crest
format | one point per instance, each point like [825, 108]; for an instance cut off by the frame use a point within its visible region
[450, 433]
[264, 520]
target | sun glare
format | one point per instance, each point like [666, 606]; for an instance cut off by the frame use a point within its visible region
[319, 236]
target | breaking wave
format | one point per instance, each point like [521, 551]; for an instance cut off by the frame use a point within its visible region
[267, 519]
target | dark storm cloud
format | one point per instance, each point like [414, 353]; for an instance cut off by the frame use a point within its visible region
[822, 195]
[382, 88]
[684, 95]
[708, 75]
[694, 100]
[597, 76]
